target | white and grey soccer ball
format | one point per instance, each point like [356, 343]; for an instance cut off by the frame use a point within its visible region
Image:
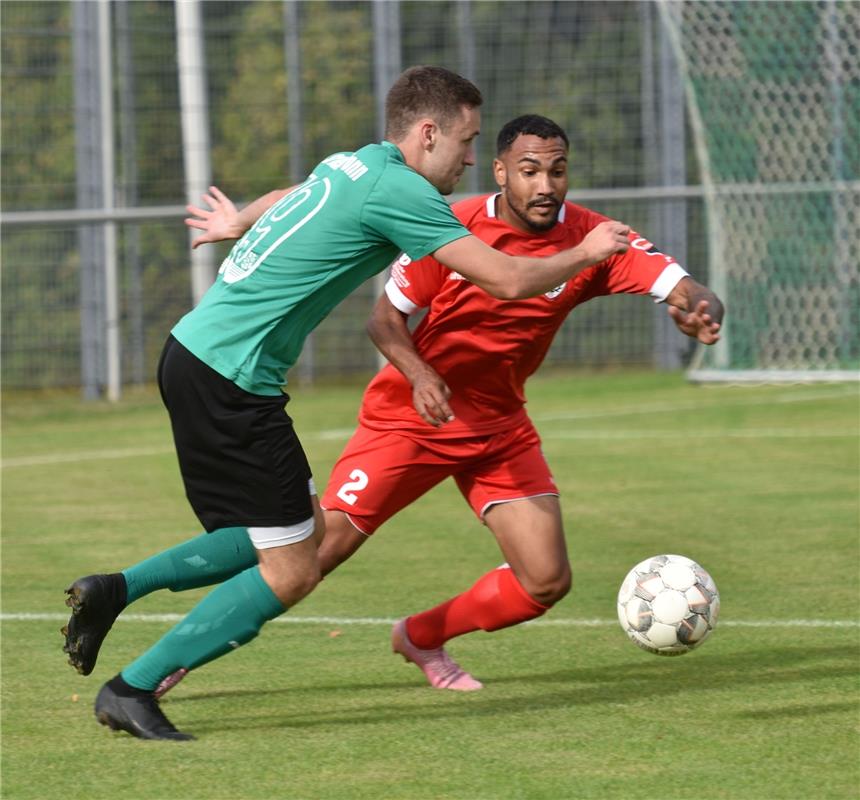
[668, 605]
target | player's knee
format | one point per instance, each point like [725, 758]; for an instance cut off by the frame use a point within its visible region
[291, 585]
[549, 588]
[293, 591]
[292, 572]
[302, 585]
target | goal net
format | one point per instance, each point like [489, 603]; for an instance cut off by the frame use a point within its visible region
[773, 91]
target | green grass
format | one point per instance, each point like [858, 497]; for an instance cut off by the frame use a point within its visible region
[759, 484]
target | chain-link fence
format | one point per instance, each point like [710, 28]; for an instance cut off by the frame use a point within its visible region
[112, 120]
[775, 98]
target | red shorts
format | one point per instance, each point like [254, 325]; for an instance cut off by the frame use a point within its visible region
[381, 472]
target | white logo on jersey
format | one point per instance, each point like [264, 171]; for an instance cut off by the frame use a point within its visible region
[347, 163]
[398, 271]
[456, 276]
[648, 248]
[551, 295]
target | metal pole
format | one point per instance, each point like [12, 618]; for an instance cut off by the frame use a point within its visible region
[306, 366]
[672, 33]
[652, 161]
[87, 196]
[386, 68]
[386, 54]
[129, 192]
[648, 99]
[194, 102]
[466, 45]
[842, 261]
[673, 171]
[111, 282]
[837, 93]
[295, 119]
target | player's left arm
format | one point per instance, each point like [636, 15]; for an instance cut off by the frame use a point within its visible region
[222, 220]
[696, 310]
[388, 330]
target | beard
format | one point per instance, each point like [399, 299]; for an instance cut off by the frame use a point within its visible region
[536, 226]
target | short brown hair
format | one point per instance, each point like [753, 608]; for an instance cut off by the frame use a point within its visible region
[433, 92]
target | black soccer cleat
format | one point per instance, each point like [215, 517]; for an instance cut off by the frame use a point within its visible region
[96, 602]
[138, 714]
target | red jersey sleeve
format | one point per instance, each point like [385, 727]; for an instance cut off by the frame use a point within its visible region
[643, 269]
[413, 284]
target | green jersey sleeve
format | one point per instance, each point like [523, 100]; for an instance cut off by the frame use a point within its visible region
[406, 209]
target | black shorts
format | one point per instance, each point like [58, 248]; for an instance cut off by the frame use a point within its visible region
[241, 461]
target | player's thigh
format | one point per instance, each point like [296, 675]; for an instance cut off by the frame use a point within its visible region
[240, 458]
[530, 535]
[513, 492]
[510, 466]
[378, 474]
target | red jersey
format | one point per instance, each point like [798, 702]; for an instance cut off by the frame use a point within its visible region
[485, 348]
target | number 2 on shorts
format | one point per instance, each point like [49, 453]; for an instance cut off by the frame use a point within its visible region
[358, 480]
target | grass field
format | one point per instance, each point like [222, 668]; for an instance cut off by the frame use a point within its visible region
[759, 484]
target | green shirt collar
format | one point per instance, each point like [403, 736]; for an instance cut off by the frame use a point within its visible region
[395, 150]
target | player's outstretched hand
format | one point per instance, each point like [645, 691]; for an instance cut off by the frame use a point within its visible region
[430, 397]
[606, 239]
[698, 323]
[220, 221]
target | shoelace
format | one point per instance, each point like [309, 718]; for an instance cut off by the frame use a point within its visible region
[446, 669]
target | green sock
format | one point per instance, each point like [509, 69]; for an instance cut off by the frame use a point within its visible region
[229, 616]
[206, 559]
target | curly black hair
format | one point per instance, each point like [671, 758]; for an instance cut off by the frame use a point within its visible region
[529, 125]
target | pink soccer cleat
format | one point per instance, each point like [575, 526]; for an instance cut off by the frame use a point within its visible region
[169, 682]
[441, 670]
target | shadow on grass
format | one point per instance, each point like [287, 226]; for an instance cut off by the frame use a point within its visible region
[808, 710]
[553, 690]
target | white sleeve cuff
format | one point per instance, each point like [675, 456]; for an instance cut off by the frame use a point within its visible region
[668, 280]
[399, 300]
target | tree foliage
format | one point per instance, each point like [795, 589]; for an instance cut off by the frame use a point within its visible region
[573, 62]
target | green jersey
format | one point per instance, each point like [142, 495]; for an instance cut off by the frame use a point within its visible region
[346, 222]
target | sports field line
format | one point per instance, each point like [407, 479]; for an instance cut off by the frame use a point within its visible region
[333, 434]
[669, 436]
[663, 408]
[344, 433]
[84, 455]
[345, 621]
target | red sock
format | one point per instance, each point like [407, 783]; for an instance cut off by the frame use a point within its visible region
[497, 600]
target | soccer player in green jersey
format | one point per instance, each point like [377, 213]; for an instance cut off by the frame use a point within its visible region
[223, 367]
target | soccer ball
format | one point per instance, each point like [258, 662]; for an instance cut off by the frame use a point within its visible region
[668, 605]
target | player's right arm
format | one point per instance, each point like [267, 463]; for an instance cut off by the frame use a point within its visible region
[222, 220]
[388, 330]
[696, 310]
[516, 277]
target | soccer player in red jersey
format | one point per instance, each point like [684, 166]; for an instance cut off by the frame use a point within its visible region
[451, 401]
